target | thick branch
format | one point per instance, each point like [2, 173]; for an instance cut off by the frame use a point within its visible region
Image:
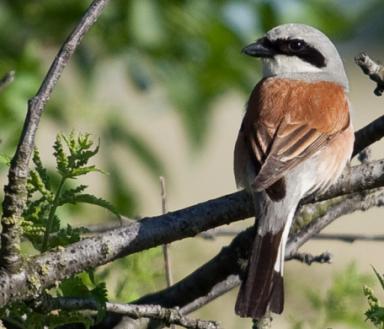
[15, 192]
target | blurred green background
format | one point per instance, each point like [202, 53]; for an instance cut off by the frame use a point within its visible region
[162, 85]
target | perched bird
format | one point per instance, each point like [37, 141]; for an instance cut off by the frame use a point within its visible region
[296, 138]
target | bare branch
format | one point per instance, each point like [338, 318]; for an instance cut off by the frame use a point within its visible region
[7, 79]
[222, 270]
[308, 259]
[167, 315]
[151, 232]
[363, 177]
[373, 70]
[349, 237]
[349, 205]
[15, 192]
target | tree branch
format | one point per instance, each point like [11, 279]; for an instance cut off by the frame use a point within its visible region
[156, 312]
[222, 270]
[43, 271]
[359, 201]
[15, 193]
[349, 237]
[308, 259]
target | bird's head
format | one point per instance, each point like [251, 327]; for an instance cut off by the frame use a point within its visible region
[298, 51]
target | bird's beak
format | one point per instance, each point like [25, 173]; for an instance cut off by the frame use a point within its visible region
[260, 48]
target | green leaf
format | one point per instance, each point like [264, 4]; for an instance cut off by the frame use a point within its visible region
[40, 169]
[76, 172]
[73, 287]
[90, 199]
[61, 158]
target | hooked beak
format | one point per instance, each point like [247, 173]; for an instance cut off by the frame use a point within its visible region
[260, 48]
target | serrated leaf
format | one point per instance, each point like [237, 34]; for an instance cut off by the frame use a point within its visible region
[61, 157]
[40, 169]
[38, 184]
[74, 287]
[76, 172]
[66, 236]
[100, 294]
[90, 199]
[68, 194]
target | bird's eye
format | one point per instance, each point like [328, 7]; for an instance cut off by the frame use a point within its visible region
[296, 45]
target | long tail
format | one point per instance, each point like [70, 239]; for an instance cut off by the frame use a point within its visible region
[263, 287]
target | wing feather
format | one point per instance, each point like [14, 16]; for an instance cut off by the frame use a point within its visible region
[287, 122]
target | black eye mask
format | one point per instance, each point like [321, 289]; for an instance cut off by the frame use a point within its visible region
[296, 47]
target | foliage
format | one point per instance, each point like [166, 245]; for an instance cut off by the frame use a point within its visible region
[41, 224]
[47, 192]
[375, 313]
[341, 304]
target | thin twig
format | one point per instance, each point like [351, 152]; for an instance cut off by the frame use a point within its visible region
[7, 79]
[167, 259]
[308, 259]
[350, 238]
[373, 70]
[15, 192]
[166, 315]
[231, 232]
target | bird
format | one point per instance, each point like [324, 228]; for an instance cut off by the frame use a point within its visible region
[295, 139]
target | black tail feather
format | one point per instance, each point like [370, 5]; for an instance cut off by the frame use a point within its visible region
[276, 304]
[263, 286]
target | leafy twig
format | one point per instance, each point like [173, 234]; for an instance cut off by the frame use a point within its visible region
[15, 192]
